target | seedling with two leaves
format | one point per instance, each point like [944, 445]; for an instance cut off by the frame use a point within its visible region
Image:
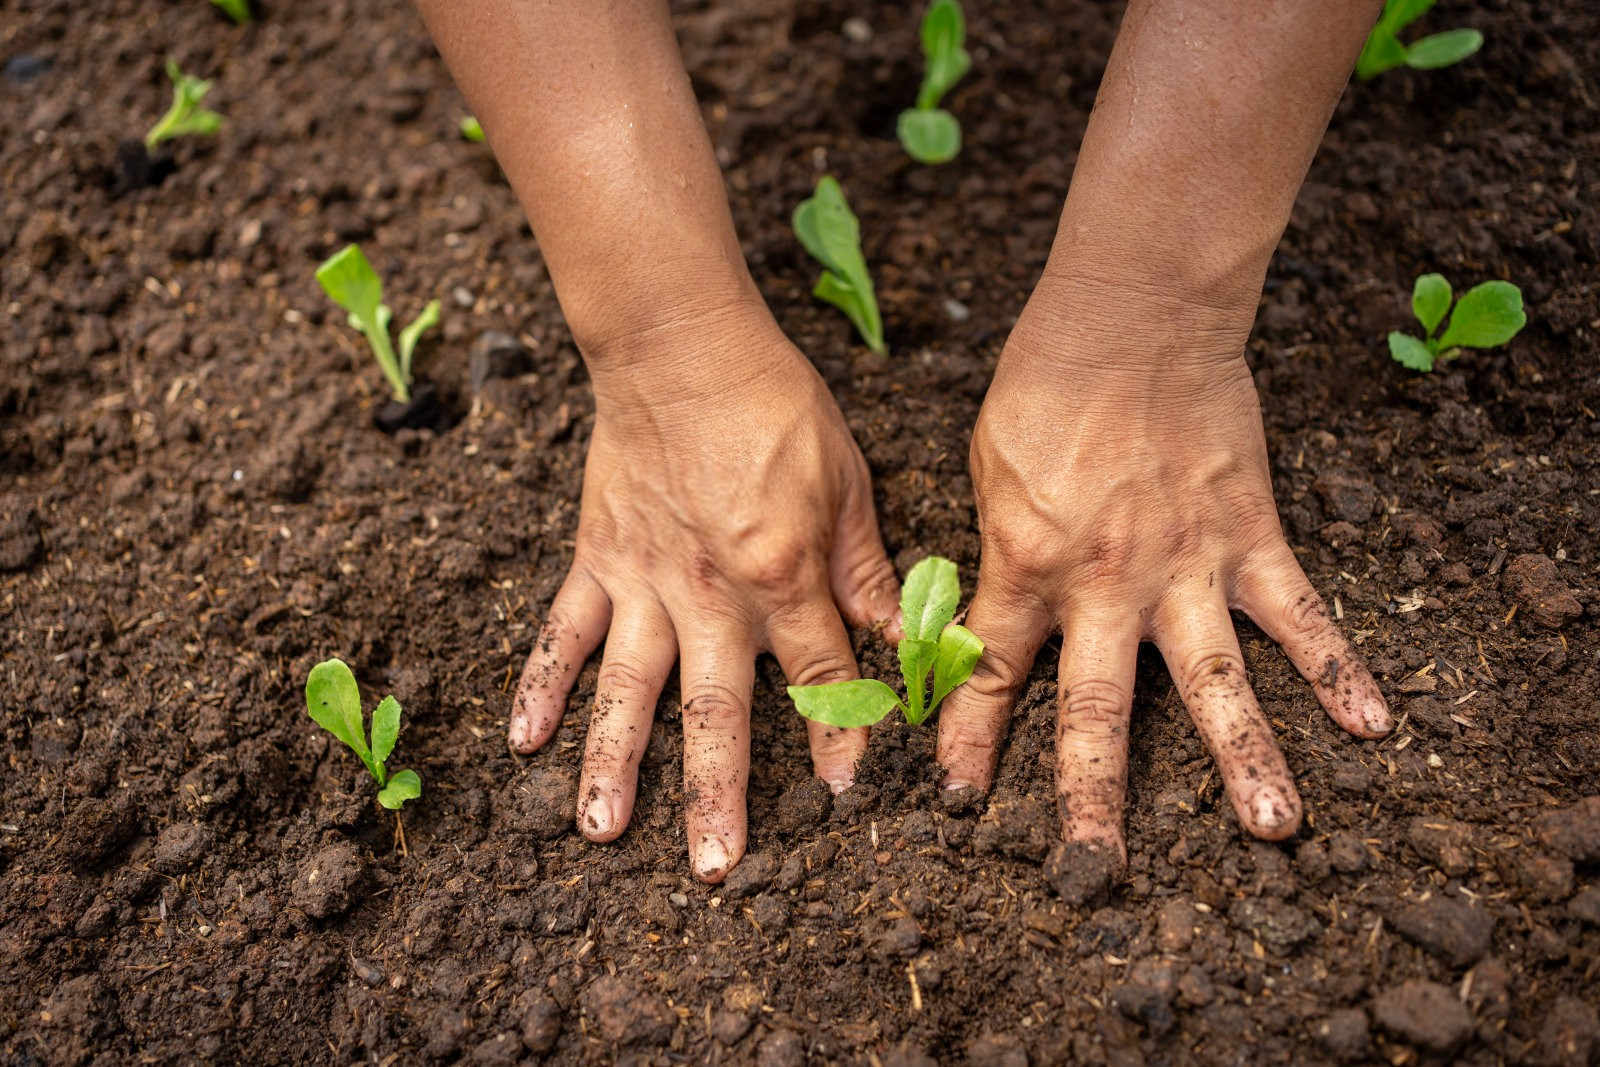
[831, 233]
[350, 281]
[334, 702]
[933, 644]
[1384, 51]
[185, 117]
[928, 133]
[1486, 315]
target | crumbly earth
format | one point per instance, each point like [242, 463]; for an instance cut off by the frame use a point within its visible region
[195, 507]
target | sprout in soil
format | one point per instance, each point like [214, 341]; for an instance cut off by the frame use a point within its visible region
[334, 702]
[932, 644]
[237, 10]
[929, 133]
[185, 116]
[1383, 50]
[832, 235]
[349, 279]
[471, 129]
[1486, 315]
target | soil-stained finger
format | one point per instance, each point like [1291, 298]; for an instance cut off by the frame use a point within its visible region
[1195, 635]
[716, 677]
[813, 648]
[864, 583]
[1098, 659]
[571, 632]
[640, 651]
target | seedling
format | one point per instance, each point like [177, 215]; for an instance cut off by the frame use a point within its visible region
[334, 703]
[1383, 50]
[237, 10]
[471, 129]
[928, 133]
[1486, 315]
[185, 116]
[349, 279]
[831, 233]
[932, 644]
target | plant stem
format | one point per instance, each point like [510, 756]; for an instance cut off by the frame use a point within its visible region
[383, 351]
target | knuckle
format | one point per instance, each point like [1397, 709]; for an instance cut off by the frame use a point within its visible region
[1305, 614]
[713, 707]
[1094, 705]
[781, 569]
[995, 678]
[621, 677]
[1110, 556]
[969, 743]
[1211, 670]
[872, 575]
[822, 670]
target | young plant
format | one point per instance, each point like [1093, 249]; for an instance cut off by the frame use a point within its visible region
[471, 129]
[237, 10]
[1486, 315]
[933, 644]
[831, 233]
[185, 116]
[928, 133]
[1383, 50]
[349, 279]
[334, 703]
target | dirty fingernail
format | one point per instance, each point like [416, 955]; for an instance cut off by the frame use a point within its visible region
[839, 785]
[517, 734]
[1272, 809]
[600, 816]
[711, 860]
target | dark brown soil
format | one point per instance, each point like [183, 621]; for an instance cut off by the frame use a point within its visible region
[196, 507]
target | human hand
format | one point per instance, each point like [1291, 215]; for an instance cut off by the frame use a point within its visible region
[1123, 495]
[726, 511]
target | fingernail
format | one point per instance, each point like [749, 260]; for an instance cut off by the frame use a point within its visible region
[517, 733]
[951, 785]
[600, 816]
[1271, 808]
[1379, 722]
[839, 785]
[711, 859]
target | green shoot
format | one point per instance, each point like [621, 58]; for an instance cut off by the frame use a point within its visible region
[928, 133]
[831, 233]
[350, 281]
[1486, 315]
[1383, 50]
[237, 10]
[932, 644]
[471, 129]
[334, 703]
[185, 116]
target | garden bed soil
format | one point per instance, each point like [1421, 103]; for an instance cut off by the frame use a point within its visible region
[196, 507]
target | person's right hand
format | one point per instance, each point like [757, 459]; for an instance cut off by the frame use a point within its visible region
[726, 511]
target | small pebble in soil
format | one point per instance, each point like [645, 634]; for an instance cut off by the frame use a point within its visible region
[626, 1014]
[856, 30]
[1345, 1035]
[1426, 1014]
[957, 311]
[1457, 931]
[366, 971]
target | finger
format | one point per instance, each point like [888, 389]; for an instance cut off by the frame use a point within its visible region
[640, 650]
[572, 630]
[813, 648]
[863, 580]
[1283, 603]
[717, 674]
[1098, 658]
[973, 717]
[1196, 638]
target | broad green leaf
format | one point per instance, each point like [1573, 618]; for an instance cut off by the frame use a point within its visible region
[944, 31]
[238, 10]
[415, 329]
[861, 702]
[385, 728]
[929, 136]
[403, 786]
[959, 651]
[471, 129]
[334, 702]
[830, 232]
[1486, 315]
[1443, 49]
[1410, 352]
[1398, 14]
[916, 660]
[841, 294]
[928, 600]
[185, 116]
[1381, 52]
[1430, 299]
[350, 282]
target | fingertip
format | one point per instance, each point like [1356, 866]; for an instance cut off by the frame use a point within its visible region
[601, 817]
[1273, 813]
[712, 859]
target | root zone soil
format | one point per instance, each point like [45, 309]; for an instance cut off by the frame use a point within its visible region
[195, 508]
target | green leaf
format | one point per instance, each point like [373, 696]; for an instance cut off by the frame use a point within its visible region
[471, 129]
[403, 786]
[834, 290]
[334, 702]
[928, 600]
[385, 728]
[237, 10]
[1398, 14]
[1443, 49]
[350, 282]
[944, 31]
[916, 660]
[929, 136]
[959, 652]
[861, 702]
[1381, 52]
[185, 116]
[1430, 299]
[830, 232]
[1410, 352]
[1486, 315]
[415, 329]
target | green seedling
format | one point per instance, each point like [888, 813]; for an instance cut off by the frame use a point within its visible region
[928, 133]
[1384, 51]
[831, 233]
[237, 10]
[932, 645]
[1486, 315]
[334, 703]
[349, 279]
[471, 129]
[185, 117]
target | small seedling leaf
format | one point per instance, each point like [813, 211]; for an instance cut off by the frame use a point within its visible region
[333, 701]
[1398, 14]
[185, 116]
[471, 129]
[928, 601]
[860, 702]
[829, 231]
[385, 728]
[959, 652]
[350, 282]
[944, 32]
[1381, 52]
[929, 136]
[237, 10]
[1430, 299]
[414, 330]
[1443, 49]
[1486, 315]
[1410, 352]
[403, 786]
[916, 660]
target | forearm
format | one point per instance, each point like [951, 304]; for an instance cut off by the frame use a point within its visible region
[593, 120]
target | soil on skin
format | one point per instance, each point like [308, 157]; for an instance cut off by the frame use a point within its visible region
[196, 507]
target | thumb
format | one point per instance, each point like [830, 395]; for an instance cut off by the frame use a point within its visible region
[862, 579]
